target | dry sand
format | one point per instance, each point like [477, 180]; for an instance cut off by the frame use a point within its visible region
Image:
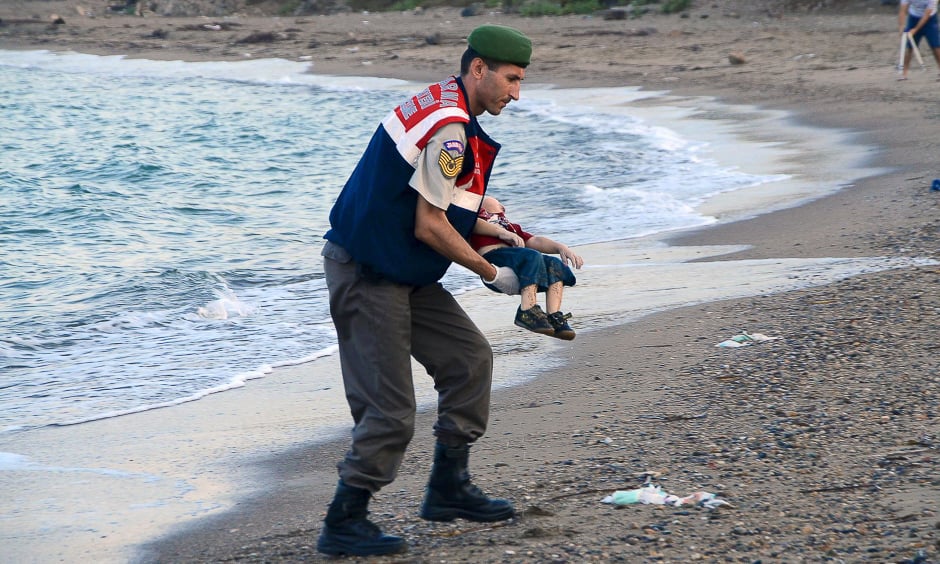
[825, 441]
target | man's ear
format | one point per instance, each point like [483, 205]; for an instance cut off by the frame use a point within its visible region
[477, 66]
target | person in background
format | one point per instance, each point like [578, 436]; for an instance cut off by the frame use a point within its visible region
[919, 18]
[404, 215]
[504, 243]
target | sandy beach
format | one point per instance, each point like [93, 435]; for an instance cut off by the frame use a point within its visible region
[825, 441]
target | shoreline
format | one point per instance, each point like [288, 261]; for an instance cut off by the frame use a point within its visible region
[721, 128]
[630, 400]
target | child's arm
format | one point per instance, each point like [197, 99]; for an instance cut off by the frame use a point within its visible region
[551, 247]
[488, 229]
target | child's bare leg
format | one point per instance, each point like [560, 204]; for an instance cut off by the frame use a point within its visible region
[553, 297]
[557, 319]
[529, 297]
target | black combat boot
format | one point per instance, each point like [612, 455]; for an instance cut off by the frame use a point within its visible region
[450, 494]
[346, 529]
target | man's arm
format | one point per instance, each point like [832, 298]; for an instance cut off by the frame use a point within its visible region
[433, 179]
[922, 21]
[433, 229]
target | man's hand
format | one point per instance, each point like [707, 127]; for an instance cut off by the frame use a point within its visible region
[505, 281]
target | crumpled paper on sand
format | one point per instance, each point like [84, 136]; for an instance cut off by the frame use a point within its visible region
[745, 339]
[651, 494]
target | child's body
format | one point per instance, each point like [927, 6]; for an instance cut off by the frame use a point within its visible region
[504, 243]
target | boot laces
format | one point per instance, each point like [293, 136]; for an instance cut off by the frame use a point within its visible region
[365, 527]
[473, 489]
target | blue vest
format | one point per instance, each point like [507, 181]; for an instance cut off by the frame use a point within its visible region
[374, 216]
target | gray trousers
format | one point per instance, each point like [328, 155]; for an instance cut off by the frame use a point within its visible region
[380, 325]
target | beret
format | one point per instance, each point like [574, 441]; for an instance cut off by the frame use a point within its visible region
[501, 43]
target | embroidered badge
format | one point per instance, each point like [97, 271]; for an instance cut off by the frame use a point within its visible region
[453, 146]
[450, 166]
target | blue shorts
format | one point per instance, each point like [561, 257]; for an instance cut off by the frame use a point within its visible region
[930, 30]
[531, 267]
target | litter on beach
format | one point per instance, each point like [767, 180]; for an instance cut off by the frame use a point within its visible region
[651, 494]
[745, 339]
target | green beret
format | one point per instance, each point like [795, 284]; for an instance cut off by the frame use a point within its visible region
[501, 43]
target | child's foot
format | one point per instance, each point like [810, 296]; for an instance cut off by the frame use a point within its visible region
[559, 323]
[535, 320]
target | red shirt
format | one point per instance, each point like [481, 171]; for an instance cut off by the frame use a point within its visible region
[480, 241]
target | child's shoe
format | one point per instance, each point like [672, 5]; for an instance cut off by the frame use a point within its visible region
[535, 320]
[560, 325]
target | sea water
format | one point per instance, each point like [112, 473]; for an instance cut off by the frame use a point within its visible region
[161, 222]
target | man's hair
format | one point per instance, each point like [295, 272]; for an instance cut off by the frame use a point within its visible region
[471, 54]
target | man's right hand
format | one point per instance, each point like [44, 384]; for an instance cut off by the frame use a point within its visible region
[505, 281]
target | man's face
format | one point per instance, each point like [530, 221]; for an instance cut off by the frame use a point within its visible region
[496, 87]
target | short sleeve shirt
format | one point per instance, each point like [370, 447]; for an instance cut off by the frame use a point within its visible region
[439, 164]
[918, 8]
